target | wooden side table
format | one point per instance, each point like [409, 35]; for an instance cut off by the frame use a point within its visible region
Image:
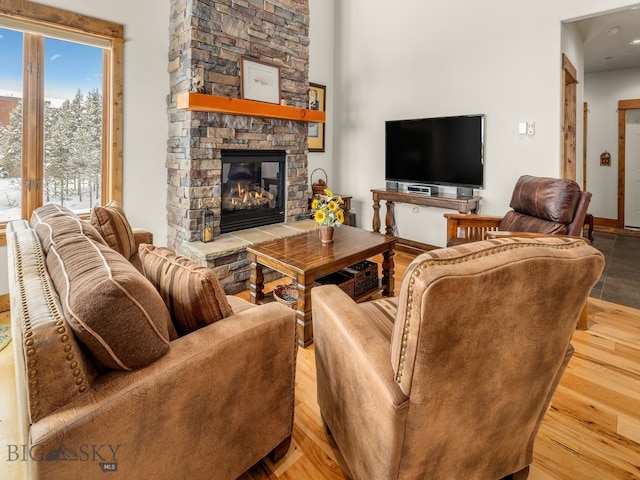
[462, 204]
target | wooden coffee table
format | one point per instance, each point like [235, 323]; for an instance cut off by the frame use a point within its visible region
[304, 259]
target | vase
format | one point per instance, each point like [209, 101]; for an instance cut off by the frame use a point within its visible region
[326, 234]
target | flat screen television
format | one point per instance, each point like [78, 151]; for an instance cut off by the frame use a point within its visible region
[436, 151]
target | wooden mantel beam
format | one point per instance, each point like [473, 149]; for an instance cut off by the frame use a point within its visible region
[236, 106]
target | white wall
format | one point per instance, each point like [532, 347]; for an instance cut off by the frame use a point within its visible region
[146, 86]
[420, 59]
[602, 92]
[321, 71]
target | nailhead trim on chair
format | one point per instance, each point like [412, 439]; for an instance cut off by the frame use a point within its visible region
[60, 328]
[500, 246]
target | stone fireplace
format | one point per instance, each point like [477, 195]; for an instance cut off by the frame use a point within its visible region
[211, 37]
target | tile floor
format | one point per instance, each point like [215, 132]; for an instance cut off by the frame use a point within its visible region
[620, 280]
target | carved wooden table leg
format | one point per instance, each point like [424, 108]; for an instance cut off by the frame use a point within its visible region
[256, 281]
[376, 213]
[387, 273]
[389, 219]
[304, 326]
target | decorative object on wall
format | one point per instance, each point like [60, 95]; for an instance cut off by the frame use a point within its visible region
[605, 159]
[315, 135]
[259, 81]
[197, 78]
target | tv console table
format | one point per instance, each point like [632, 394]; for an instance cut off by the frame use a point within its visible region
[454, 202]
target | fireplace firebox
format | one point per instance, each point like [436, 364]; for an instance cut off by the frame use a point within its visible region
[253, 189]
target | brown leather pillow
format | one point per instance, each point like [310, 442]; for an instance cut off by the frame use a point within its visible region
[191, 292]
[552, 199]
[518, 222]
[114, 227]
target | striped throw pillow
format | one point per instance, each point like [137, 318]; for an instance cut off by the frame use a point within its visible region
[191, 292]
[110, 307]
[114, 227]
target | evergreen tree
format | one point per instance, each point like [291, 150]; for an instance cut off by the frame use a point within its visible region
[72, 147]
[91, 141]
[11, 143]
[78, 149]
[57, 151]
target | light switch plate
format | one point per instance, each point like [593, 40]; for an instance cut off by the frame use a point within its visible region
[522, 128]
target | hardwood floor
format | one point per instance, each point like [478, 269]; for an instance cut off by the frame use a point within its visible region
[591, 432]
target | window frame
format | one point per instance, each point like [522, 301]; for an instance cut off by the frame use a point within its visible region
[37, 21]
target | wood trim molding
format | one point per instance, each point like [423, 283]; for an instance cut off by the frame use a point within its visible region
[34, 12]
[585, 122]
[605, 222]
[112, 155]
[570, 69]
[622, 127]
[413, 247]
[201, 102]
[628, 104]
[568, 155]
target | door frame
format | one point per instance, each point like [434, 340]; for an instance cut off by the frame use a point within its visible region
[623, 106]
[569, 82]
[569, 153]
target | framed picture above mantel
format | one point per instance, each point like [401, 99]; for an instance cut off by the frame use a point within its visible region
[259, 81]
[315, 134]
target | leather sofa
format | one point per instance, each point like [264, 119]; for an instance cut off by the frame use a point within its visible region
[206, 405]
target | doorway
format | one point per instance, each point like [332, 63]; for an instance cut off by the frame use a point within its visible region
[632, 171]
[628, 183]
[629, 164]
[603, 45]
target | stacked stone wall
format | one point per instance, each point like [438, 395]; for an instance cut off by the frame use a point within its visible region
[209, 38]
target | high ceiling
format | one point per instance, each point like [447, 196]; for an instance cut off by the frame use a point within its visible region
[604, 49]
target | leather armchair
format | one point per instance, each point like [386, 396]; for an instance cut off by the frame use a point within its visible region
[451, 379]
[539, 205]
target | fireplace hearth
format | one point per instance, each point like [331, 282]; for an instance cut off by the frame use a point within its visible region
[253, 189]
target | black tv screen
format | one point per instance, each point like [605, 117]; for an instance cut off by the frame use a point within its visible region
[439, 151]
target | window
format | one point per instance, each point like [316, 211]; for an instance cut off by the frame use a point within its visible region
[60, 111]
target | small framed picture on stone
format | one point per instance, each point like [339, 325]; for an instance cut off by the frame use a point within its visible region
[315, 134]
[259, 81]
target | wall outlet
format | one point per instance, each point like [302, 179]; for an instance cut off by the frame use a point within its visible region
[531, 128]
